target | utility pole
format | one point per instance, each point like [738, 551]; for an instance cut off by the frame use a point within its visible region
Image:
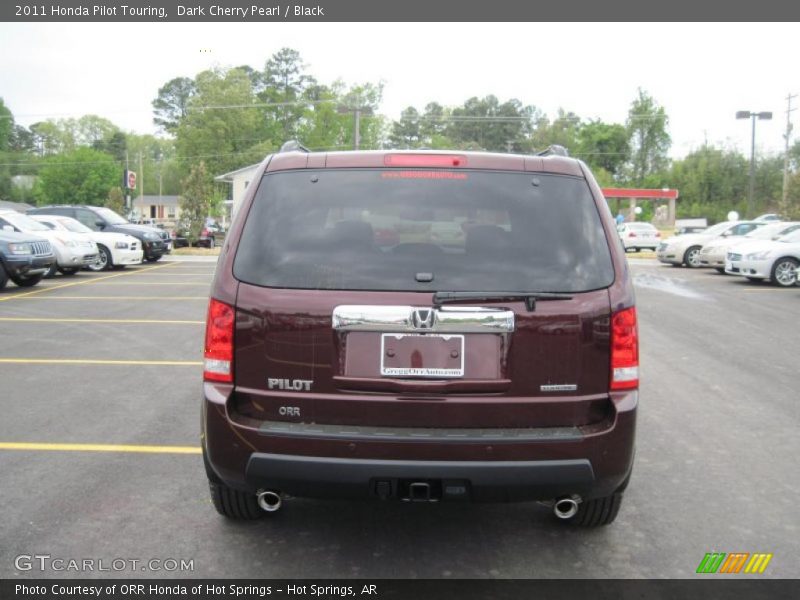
[357, 111]
[128, 206]
[785, 197]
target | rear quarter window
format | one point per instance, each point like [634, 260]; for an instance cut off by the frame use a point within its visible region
[418, 230]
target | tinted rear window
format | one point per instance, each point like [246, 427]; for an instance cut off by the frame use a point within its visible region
[370, 229]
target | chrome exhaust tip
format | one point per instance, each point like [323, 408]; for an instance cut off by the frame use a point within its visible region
[269, 500]
[566, 508]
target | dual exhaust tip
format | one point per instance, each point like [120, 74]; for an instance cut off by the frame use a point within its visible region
[563, 508]
[269, 500]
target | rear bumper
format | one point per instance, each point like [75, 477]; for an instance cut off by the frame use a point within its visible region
[492, 465]
[321, 477]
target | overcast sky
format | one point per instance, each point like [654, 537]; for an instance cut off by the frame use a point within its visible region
[701, 73]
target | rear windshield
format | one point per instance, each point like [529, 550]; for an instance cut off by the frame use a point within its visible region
[419, 230]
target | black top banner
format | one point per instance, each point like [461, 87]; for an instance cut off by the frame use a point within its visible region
[269, 11]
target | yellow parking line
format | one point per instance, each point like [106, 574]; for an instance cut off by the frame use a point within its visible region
[120, 298]
[122, 321]
[155, 283]
[83, 282]
[91, 361]
[100, 448]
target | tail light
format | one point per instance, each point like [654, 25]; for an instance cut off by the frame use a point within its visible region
[631, 234]
[658, 234]
[624, 350]
[219, 342]
[204, 233]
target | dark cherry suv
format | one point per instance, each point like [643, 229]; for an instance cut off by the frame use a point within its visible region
[421, 326]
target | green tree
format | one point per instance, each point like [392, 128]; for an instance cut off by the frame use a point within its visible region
[221, 137]
[486, 124]
[6, 127]
[195, 200]
[115, 200]
[603, 146]
[285, 85]
[172, 103]
[116, 144]
[82, 176]
[649, 139]
[406, 132]
[562, 131]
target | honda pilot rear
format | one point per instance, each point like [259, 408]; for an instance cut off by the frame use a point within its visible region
[421, 327]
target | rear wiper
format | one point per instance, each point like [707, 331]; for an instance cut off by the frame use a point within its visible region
[530, 298]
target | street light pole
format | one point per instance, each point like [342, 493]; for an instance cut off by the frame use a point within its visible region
[746, 114]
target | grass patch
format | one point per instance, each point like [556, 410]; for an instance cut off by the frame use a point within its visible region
[197, 251]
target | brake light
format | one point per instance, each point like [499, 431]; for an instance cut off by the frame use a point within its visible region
[425, 160]
[631, 234]
[219, 342]
[658, 234]
[624, 350]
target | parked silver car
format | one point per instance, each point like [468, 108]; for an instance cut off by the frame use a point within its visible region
[638, 236]
[773, 260]
[713, 253]
[685, 249]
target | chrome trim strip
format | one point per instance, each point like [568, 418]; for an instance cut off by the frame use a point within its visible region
[402, 319]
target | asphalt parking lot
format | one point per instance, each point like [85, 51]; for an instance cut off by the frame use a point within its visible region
[100, 378]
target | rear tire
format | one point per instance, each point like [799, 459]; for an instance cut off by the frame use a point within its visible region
[26, 281]
[69, 271]
[3, 277]
[51, 272]
[597, 512]
[233, 503]
[153, 259]
[692, 257]
[783, 272]
[720, 270]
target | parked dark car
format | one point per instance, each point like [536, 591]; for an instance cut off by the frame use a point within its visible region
[500, 366]
[100, 218]
[24, 259]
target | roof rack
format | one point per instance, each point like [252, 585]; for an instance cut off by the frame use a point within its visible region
[293, 146]
[553, 150]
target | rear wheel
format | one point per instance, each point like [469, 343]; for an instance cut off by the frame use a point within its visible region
[3, 277]
[51, 272]
[153, 259]
[70, 271]
[755, 279]
[784, 272]
[692, 257]
[28, 281]
[720, 270]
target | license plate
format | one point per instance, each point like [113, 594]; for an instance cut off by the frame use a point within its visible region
[418, 355]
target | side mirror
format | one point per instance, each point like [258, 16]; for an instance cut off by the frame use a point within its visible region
[100, 224]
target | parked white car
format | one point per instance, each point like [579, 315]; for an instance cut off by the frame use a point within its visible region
[638, 236]
[685, 249]
[116, 250]
[713, 253]
[73, 251]
[773, 260]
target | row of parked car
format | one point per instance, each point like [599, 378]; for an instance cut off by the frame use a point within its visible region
[759, 250]
[66, 239]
